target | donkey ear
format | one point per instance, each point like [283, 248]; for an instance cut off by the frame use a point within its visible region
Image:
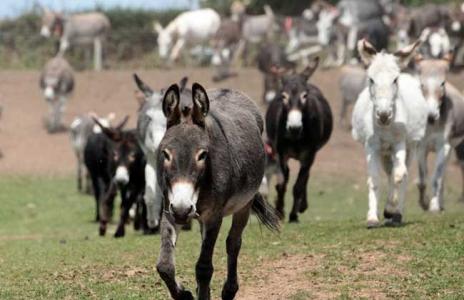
[200, 104]
[366, 51]
[158, 28]
[311, 68]
[404, 55]
[144, 88]
[111, 133]
[183, 83]
[171, 105]
[123, 123]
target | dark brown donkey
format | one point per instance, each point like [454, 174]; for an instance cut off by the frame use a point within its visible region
[210, 164]
[298, 124]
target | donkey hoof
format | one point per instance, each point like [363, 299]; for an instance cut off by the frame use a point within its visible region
[371, 224]
[293, 218]
[396, 220]
[185, 295]
[119, 233]
[102, 231]
[303, 206]
[229, 291]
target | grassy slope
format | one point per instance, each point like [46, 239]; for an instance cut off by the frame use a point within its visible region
[49, 248]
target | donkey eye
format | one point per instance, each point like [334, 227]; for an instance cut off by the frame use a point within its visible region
[395, 81]
[371, 81]
[131, 157]
[443, 84]
[202, 155]
[285, 97]
[166, 155]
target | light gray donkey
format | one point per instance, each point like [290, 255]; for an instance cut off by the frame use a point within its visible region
[353, 80]
[389, 119]
[445, 128]
[210, 165]
[57, 83]
[151, 127]
[78, 29]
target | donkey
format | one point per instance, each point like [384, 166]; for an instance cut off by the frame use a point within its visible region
[435, 43]
[128, 176]
[80, 130]
[78, 29]
[57, 83]
[272, 62]
[353, 80]
[151, 127]
[445, 127]
[208, 169]
[189, 27]
[298, 124]
[389, 119]
[100, 162]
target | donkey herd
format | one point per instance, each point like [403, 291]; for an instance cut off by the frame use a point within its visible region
[206, 154]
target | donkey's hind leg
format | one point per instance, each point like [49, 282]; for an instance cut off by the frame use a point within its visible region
[204, 268]
[460, 156]
[234, 243]
[165, 266]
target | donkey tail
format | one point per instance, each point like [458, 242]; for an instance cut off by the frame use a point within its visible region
[266, 214]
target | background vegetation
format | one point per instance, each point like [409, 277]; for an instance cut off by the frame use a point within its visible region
[132, 42]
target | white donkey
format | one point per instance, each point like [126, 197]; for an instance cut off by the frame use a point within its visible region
[77, 29]
[445, 127]
[191, 27]
[389, 119]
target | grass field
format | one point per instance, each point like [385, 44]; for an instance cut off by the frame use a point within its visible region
[49, 249]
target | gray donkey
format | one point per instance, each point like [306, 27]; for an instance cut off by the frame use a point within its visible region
[78, 29]
[210, 164]
[57, 83]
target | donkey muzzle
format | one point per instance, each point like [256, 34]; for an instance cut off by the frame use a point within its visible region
[384, 118]
[182, 199]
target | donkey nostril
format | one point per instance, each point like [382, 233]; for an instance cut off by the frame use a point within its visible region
[190, 210]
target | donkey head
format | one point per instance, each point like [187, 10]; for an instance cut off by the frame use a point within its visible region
[432, 75]
[294, 95]
[437, 41]
[383, 72]
[125, 153]
[164, 40]
[52, 23]
[183, 153]
[146, 93]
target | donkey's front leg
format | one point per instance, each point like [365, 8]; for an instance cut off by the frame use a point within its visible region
[204, 268]
[166, 267]
[394, 208]
[300, 201]
[422, 180]
[373, 171]
[234, 243]
[281, 186]
[443, 153]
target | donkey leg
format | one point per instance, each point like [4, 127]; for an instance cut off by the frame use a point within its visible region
[97, 54]
[126, 204]
[204, 267]
[152, 197]
[106, 202]
[234, 243]
[304, 199]
[373, 171]
[438, 179]
[281, 186]
[165, 266]
[394, 208]
[422, 180]
[80, 167]
[299, 191]
[176, 50]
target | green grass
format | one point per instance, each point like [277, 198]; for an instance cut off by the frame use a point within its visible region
[49, 248]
